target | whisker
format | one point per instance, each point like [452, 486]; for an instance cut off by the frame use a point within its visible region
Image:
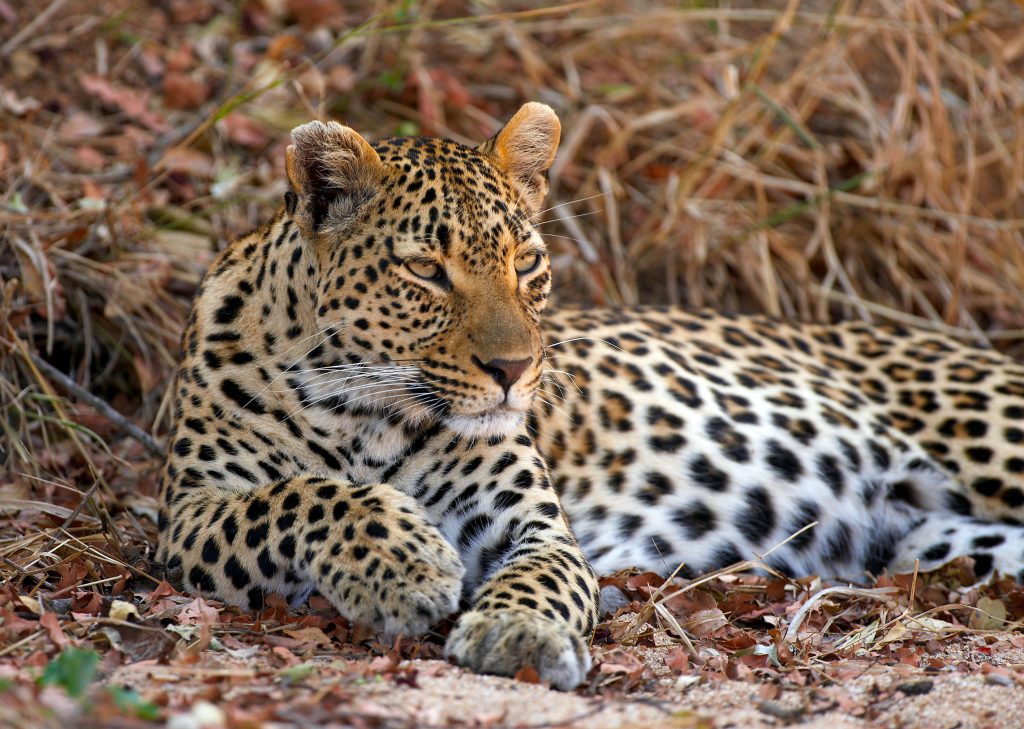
[326, 333]
[555, 407]
[567, 217]
[583, 339]
[570, 202]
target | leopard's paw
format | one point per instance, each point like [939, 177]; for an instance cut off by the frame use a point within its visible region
[399, 587]
[504, 641]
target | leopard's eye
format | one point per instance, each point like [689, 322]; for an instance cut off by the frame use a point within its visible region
[428, 270]
[526, 263]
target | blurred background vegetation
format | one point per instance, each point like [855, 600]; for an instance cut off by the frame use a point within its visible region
[815, 159]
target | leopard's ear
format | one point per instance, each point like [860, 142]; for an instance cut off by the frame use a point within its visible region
[333, 172]
[525, 149]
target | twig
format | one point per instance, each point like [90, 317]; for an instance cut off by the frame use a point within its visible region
[99, 405]
[31, 27]
[876, 593]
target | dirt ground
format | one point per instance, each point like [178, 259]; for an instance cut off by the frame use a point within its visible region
[221, 691]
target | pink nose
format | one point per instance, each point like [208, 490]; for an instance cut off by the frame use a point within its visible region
[506, 372]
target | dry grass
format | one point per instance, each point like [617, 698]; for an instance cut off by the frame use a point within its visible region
[814, 160]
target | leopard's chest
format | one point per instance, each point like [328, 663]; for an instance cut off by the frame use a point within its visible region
[375, 450]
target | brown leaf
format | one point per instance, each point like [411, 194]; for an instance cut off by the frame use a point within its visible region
[188, 161]
[181, 91]
[527, 674]
[244, 131]
[309, 636]
[199, 612]
[133, 103]
[386, 664]
[144, 643]
[11, 623]
[678, 660]
[622, 661]
[314, 13]
[52, 625]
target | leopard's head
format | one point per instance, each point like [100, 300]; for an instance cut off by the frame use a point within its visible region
[432, 277]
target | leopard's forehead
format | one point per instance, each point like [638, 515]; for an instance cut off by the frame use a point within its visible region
[444, 157]
[438, 187]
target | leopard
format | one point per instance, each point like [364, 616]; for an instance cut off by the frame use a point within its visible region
[374, 403]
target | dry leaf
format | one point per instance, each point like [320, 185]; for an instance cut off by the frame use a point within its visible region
[52, 625]
[133, 103]
[527, 674]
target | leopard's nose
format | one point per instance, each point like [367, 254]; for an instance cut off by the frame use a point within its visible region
[506, 372]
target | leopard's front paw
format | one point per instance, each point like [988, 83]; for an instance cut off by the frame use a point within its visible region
[398, 587]
[504, 641]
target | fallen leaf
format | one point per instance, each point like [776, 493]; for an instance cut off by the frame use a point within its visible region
[527, 674]
[309, 636]
[133, 103]
[52, 625]
[181, 91]
[199, 612]
[990, 614]
[678, 660]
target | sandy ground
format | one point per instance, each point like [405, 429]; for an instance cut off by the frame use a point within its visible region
[864, 694]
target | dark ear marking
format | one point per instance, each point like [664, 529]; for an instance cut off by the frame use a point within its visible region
[291, 201]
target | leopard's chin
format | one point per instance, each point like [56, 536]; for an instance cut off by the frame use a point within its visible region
[489, 424]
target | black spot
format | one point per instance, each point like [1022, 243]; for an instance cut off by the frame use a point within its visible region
[988, 541]
[881, 550]
[229, 309]
[807, 513]
[507, 499]
[628, 524]
[906, 492]
[549, 509]
[234, 571]
[377, 530]
[244, 399]
[724, 556]
[784, 462]
[257, 535]
[982, 563]
[327, 492]
[524, 480]
[658, 485]
[936, 552]
[839, 544]
[473, 528]
[257, 509]
[202, 580]
[704, 473]
[958, 503]
[756, 520]
[503, 462]
[659, 547]
[987, 486]
[230, 529]
[211, 551]
[831, 474]
[696, 518]
[266, 564]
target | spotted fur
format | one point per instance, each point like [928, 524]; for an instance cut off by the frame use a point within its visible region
[368, 405]
[702, 438]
